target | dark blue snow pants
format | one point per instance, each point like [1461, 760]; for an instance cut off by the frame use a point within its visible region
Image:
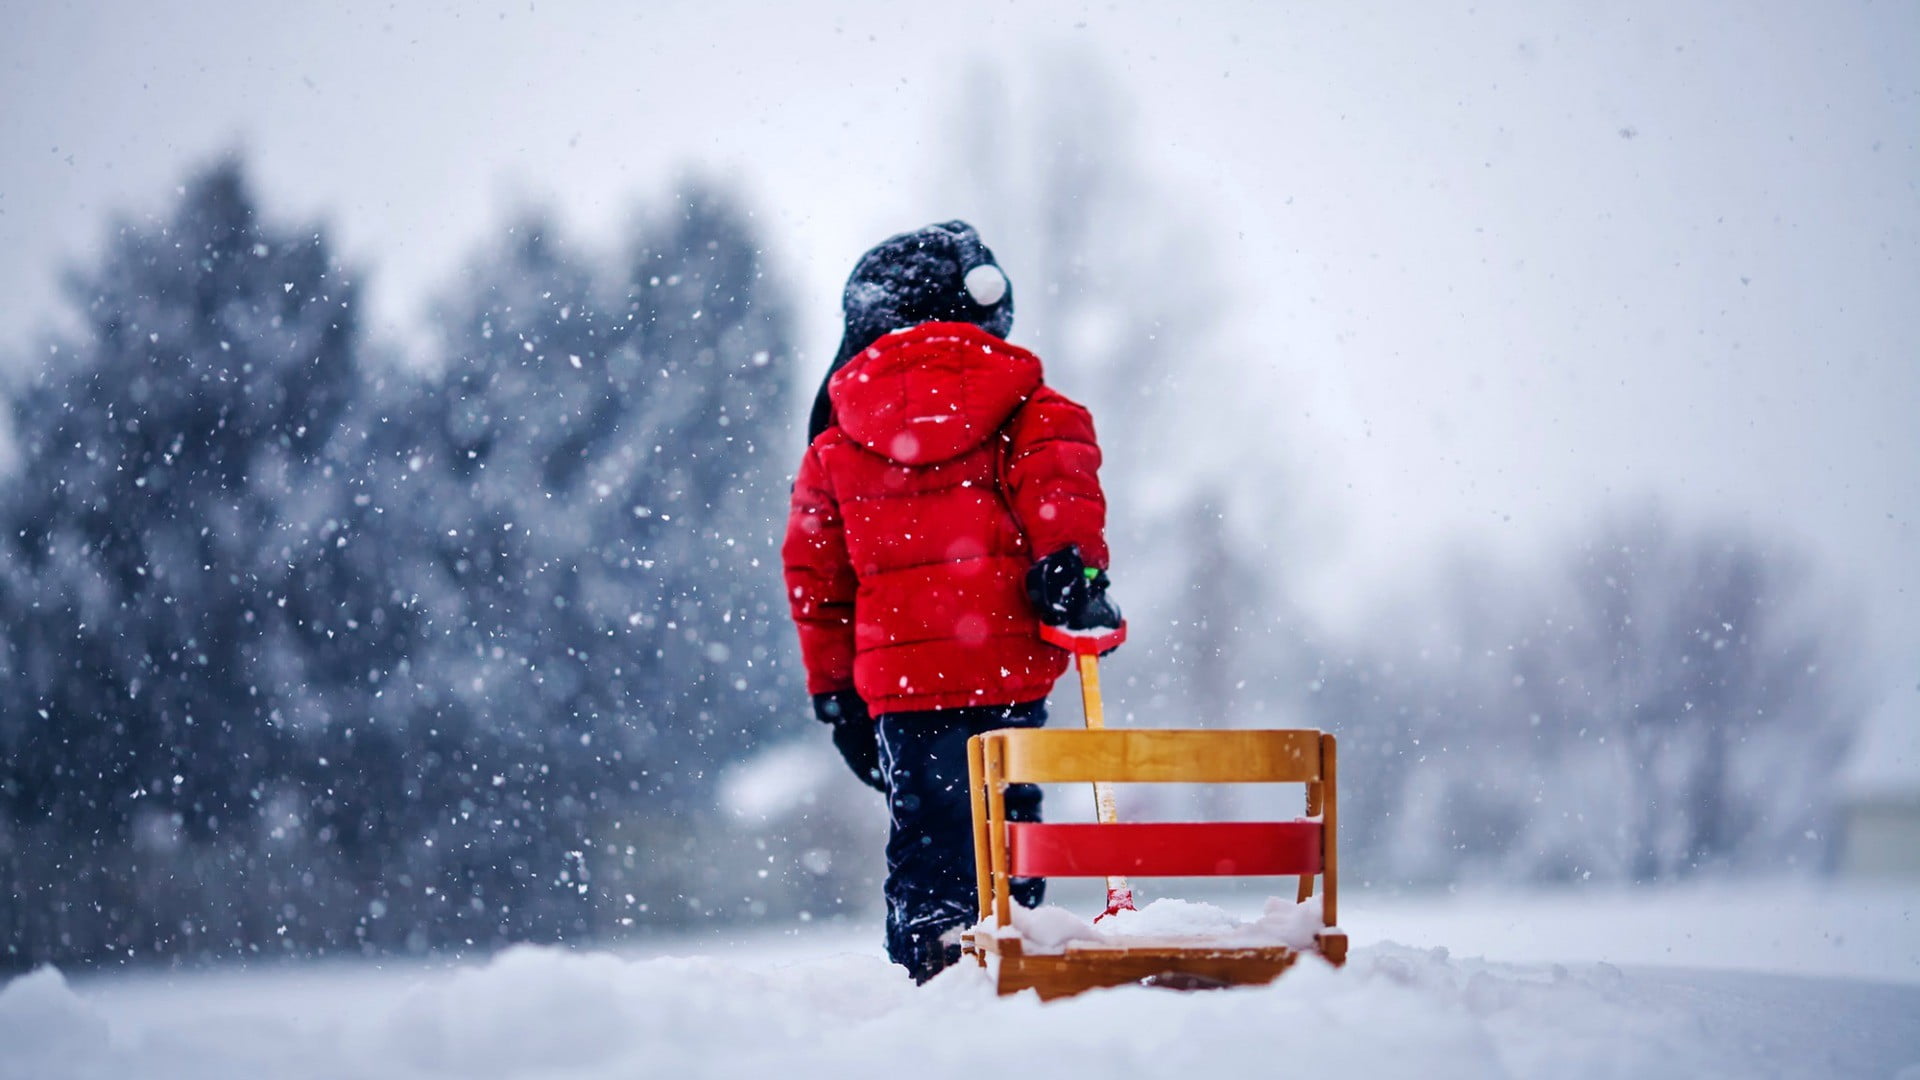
[930, 880]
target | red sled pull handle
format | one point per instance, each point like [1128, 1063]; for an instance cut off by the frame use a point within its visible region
[1084, 642]
[1086, 647]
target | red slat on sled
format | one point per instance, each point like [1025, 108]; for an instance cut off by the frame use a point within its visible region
[1182, 849]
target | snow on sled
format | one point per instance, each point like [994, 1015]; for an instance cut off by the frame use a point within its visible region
[1037, 952]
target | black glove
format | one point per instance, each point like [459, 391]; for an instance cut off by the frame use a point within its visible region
[853, 734]
[1067, 592]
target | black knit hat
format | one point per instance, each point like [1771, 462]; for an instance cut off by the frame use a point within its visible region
[941, 273]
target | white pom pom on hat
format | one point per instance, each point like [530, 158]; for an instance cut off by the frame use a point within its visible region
[986, 284]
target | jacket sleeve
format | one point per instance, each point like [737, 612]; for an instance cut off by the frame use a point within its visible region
[1052, 477]
[820, 579]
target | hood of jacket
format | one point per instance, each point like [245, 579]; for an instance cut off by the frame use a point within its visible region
[933, 392]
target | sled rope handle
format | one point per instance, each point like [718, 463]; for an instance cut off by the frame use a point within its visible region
[1086, 649]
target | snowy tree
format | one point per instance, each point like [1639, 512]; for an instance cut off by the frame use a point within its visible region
[714, 335]
[712, 340]
[173, 505]
[1663, 699]
[1700, 654]
[589, 516]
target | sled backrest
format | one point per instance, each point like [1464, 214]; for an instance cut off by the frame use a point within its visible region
[1065, 755]
[1003, 849]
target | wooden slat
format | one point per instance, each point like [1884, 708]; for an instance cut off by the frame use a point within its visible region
[1160, 756]
[992, 751]
[977, 795]
[1313, 811]
[1330, 818]
[1163, 849]
[1063, 975]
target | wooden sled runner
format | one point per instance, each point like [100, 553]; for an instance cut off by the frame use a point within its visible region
[1004, 849]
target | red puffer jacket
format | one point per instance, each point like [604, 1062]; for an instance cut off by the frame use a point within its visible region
[950, 468]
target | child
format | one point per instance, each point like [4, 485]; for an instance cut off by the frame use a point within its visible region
[947, 503]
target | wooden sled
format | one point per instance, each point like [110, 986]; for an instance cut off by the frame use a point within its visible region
[1005, 849]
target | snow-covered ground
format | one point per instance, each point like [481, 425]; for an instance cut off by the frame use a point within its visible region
[1752, 980]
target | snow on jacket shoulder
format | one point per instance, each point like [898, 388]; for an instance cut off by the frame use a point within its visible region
[950, 467]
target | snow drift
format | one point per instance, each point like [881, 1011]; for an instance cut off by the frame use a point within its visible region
[823, 1003]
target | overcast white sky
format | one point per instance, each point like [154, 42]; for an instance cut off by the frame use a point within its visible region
[1507, 261]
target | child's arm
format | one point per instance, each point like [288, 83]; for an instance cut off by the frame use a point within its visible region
[820, 580]
[1052, 478]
